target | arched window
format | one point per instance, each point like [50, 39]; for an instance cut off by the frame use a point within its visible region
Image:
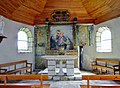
[103, 40]
[25, 40]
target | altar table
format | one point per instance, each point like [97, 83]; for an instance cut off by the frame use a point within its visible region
[52, 64]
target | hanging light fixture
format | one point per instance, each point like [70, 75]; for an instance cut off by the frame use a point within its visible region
[2, 24]
[1, 37]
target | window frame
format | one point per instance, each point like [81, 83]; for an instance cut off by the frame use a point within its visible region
[99, 41]
[29, 40]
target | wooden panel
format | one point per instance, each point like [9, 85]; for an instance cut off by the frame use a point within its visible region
[2, 77]
[108, 16]
[25, 86]
[10, 6]
[114, 61]
[105, 86]
[27, 77]
[23, 77]
[44, 76]
[36, 11]
[22, 19]
[13, 63]
[100, 77]
[92, 86]
[37, 5]
[25, 8]
[16, 86]
[100, 7]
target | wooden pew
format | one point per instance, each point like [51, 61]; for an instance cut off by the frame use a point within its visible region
[16, 86]
[111, 65]
[3, 78]
[84, 86]
[40, 77]
[100, 77]
[15, 67]
[105, 86]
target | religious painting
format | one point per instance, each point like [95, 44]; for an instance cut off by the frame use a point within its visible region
[61, 37]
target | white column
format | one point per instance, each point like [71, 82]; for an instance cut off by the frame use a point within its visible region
[70, 67]
[61, 65]
[51, 68]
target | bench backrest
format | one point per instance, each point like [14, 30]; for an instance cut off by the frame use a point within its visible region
[99, 77]
[40, 77]
[16, 86]
[108, 60]
[13, 63]
[3, 78]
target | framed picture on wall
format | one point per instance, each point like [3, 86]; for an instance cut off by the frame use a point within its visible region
[61, 36]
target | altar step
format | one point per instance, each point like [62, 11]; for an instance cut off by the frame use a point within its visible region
[77, 74]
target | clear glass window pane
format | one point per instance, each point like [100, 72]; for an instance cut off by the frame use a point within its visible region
[106, 35]
[103, 42]
[22, 45]
[106, 44]
[25, 40]
[22, 36]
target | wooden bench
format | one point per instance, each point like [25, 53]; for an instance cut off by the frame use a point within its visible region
[16, 86]
[16, 67]
[100, 77]
[111, 65]
[7, 78]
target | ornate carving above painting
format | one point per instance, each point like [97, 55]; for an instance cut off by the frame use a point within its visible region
[60, 15]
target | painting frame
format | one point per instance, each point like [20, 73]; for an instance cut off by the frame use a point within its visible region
[58, 26]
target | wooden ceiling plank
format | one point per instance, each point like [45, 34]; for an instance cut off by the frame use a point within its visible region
[22, 21]
[114, 4]
[31, 10]
[103, 10]
[25, 15]
[96, 9]
[22, 18]
[108, 16]
[7, 6]
[26, 11]
[37, 6]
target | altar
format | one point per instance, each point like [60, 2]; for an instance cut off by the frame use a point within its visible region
[69, 65]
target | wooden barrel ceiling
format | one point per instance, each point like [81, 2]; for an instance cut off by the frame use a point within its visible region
[36, 11]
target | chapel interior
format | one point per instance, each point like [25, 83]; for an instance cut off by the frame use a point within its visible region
[59, 43]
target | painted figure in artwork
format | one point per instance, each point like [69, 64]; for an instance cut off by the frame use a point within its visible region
[61, 37]
[60, 41]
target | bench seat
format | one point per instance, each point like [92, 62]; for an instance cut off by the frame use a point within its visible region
[106, 64]
[17, 67]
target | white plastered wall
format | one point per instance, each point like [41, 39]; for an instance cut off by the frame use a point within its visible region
[8, 47]
[90, 51]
